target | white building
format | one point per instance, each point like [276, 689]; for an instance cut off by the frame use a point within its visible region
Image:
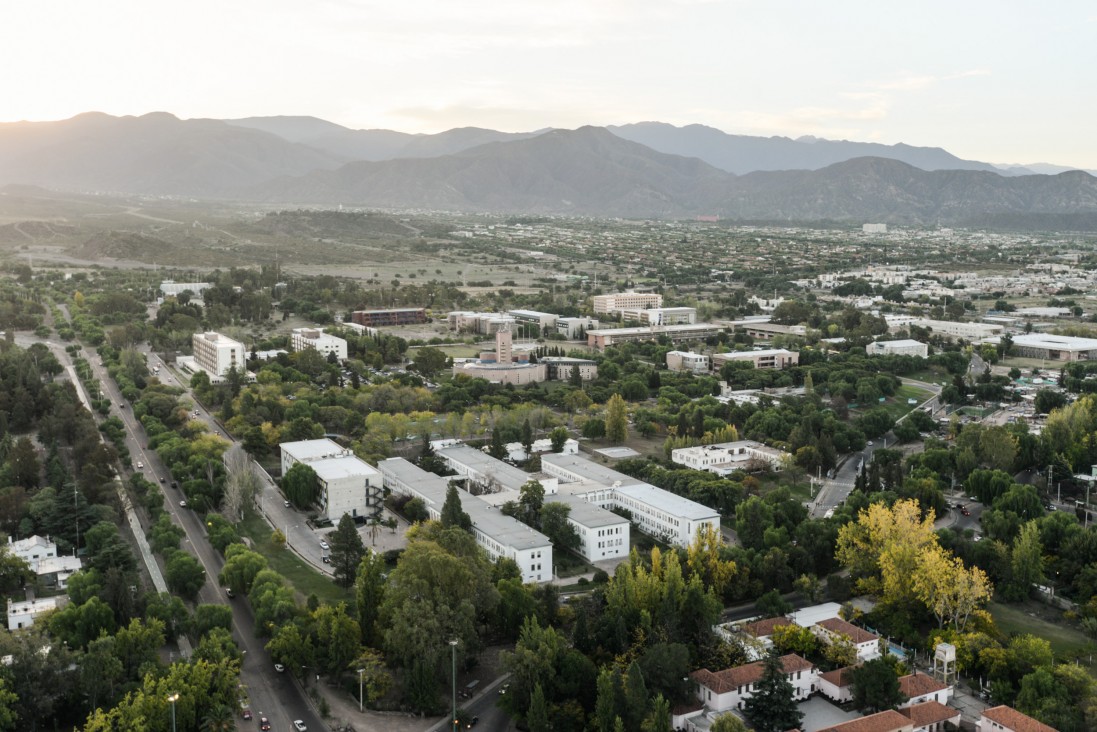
[660, 316]
[546, 322]
[486, 472]
[602, 534]
[348, 484]
[498, 534]
[575, 328]
[874, 228]
[721, 691]
[967, 331]
[727, 457]
[603, 337]
[834, 630]
[697, 363]
[1053, 347]
[503, 365]
[931, 716]
[216, 354]
[606, 304]
[23, 613]
[517, 453]
[918, 688]
[559, 368]
[767, 358]
[318, 340]
[903, 347]
[171, 288]
[465, 321]
[837, 685]
[1008, 719]
[40, 554]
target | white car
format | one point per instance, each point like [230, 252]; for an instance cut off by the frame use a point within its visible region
[299, 725]
[182, 504]
[324, 545]
[140, 465]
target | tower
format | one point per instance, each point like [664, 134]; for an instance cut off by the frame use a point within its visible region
[503, 341]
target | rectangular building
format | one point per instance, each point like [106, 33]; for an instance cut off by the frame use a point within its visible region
[348, 484]
[1055, 347]
[727, 457]
[545, 321]
[575, 328]
[1008, 719]
[318, 340]
[392, 316]
[660, 316]
[724, 690]
[171, 288]
[559, 368]
[217, 354]
[604, 337]
[769, 358]
[485, 471]
[695, 363]
[23, 613]
[903, 347]
[967, 331]
[606, 304]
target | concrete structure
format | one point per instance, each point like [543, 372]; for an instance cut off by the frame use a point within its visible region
[1054, 347]
[347, 483]
[606, 304]
[487, 473]
[602, 534]
[1008, 719]
[318, 340]
[23, 613]
[769, 358]
[40, 554]
[498, 534]
[559, 368]
[832, 630]
[903, 347]
[604, 337]
[696, 363]
[216, 354]
[171, 288]
[725, 690]
[545, 321]
[1045, 312]
[918, 688]
[517, 453]
[727, 457]
[886, 721]
[659, 316]
[656, 511]
[762, 329]
[503, 365]
[837, 685]
[392, 316]
[575, 328]
[951, 329]
[932, 716]
[465, 321]
[874, 228]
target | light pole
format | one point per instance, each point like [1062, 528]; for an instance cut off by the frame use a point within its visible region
[173, 698]
[453, 660]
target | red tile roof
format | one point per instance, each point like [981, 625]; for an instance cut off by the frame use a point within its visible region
[929, 712]
[840, 677]
[1010, 718]
[914, 685]
[886, 721]
[729, 679]
[841, 627]
[763, 628]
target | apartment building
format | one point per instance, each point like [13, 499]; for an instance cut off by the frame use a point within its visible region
[318, 340]
[769, 358]
[348, 484]
[607, 304]
[216, 354]
[388, 317]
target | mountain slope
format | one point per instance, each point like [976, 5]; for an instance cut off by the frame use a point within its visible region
[152, 154]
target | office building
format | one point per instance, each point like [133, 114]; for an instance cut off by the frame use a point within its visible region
[559, 368]
[503, 365]
[318, 340]
[348, 484]
[389, 317]
[605, 337]
[659, 316]
[575, 328]
[727, 457]
[607, 304]
[904, 347]
[769, 358]
[171, 288]
[1054, 347]
[952, 329]
[216, 354]
[695, 363]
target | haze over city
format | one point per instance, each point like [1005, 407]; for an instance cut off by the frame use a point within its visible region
[1000, 82]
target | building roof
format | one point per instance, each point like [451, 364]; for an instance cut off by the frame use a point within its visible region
[507, 476]
[30, 543]
[763, 628]
[730, 679]
[668, 502]
[840, 677]
[305, 450]
[38, 605]
[806, 617]
[588, 469]
[1055, 342]
[929, 712]
[500, 527]
[886, 721]
[1012, 719]
[50, 565]
[587, 514]
[761, 352]
[913, 685]
[855, 634]
[337, 468]
[901, 342]
[693, 327]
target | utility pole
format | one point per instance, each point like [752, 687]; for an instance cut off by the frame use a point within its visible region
[453, 660]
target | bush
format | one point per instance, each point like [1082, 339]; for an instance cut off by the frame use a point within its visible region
[600, 576]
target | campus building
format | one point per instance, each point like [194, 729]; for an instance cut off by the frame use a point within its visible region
[721, 691]
[903, 347]
[348, 484]
[603, 337]
[607, 304]
[559, 368]
[768, 358]
[466, 321]
[659, 316]
[392, 316]
[171, 288]
[1054, 347]
[726, 457]
[952, 329]
[575, 328]
[503, 365]
[216, 354]
[546, 322]
[694, 363]
[318, 340]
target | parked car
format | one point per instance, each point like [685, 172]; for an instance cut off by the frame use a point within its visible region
[286, 504]
[965, 510]
[324, 545]
[299, 725]
[140, 465]
[472, 723]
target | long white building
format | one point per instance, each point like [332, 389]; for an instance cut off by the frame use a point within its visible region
[727, 457]
[967, 331]
[216, 354]
[660, 316]
[318, 340]
[606, 304]
[499, 534]
[902, 347]
[348, 484]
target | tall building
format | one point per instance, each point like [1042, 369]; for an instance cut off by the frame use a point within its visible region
[216, 353]
[606, 304]
[502, 365]
[347, 483]
[318, 340]
[393, 316]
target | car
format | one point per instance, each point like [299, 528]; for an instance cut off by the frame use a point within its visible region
[183, 503]
[869, 443]
[230, 593]
[264, 724]
[174, 484]
[286, 504]
[326, 559]
[299, 725]
[472, 723]
[504, 688]
[161, 480]
[279, 667]
[1051, 507]
[965, 510]
[324, 545]
[247, 714]
[140, 465]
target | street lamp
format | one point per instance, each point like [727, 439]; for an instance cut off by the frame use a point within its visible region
[360, 672]
[453, 659]
[173, 698]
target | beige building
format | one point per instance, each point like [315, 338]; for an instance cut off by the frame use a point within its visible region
[503, 365]
[318, 340]
[696, 363]
[904, 347]
[660, 316]
[216, 354]
[770, 358]
[559, 368]
[606, 304]
[605, 337]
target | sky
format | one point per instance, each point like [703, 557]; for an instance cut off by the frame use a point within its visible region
[1003, 81]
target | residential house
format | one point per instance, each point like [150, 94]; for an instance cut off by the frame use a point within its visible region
[832, 630]
[931, 716]
[728, 689]
[837, 685]
[886, 721]
[918, 688]
[1008, 719]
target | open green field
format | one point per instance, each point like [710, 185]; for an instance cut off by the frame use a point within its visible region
[306, 580]
[1031, 618]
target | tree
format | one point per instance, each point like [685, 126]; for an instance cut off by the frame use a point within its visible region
[184, 574]
[531, 498]
[558, 437]
[607, 708]
[241, 485]
[537, 718]
[208, 617]
[728, 722]
[876, 686]
[301, 485]
[555, 525]
[772, 707]
[616, 419]
[369, 593]
[375, 675]
[496, 448]
[1026, 562]
[241, 567]
[452, 513]
[636, 696]
[415, 510]
[527, 438]
[658, 720]
[346, 551]
[429, 360]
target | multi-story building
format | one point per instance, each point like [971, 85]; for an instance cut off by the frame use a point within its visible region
[603, 337]
[499, 534]
[484, 471]
[559, 368]
[546, 322]
[769, 358]
[606, 304]
[903, 347]
[575, 328]
[318, 340]
[952, 329]
[347, 483]
[40, 554]
[171, 288]
[659, 316]
[1054, 347]
[464, 321]
[833, 630]
[392, 316]
[696, 363]
[23, 613]
[726, 457]
[503, 365]
[602, 534]
[721, 691]
[216, 354]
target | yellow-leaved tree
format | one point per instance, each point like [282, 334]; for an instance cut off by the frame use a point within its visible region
[951, 591]
[881, 549]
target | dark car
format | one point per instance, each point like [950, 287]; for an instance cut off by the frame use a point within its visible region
[472, 723]
[264, 724]
[965, 511]
[247, 713]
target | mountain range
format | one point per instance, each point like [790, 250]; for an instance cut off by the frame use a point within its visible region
[640, 170]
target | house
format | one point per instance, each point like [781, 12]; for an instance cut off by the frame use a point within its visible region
[1008, 719]
[886, 721]
[40, 554]
[918, 688]
[931, 716]
[837, 685]
[728, 689]
[23, 613]
[833, 629]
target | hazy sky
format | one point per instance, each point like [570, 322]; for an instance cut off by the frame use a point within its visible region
[1001, 81]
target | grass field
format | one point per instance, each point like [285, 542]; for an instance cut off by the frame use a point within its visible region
[305, 580]
[1067, 643]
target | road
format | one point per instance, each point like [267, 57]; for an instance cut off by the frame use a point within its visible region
[273, 695]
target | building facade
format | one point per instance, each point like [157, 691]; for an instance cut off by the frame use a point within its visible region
[659, 316]
[694, 363]
[606, 304]
[1008, 719]
[393, 316]
[904, 347]
[575, 328]
[769, 358]
[318, 340]
[559, 368]
[217, 354]
[348, 484]
[503, 365]
[604, 337]
[721, 691]
[727, 457]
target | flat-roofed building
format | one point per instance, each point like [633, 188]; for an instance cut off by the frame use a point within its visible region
[762, 329]
[545, 321]
[464, 321]
[660, 316]
[348, 484]
[486, 472]
[387, 317]
[767, 358]
[695, 363]
[902, 347]
[726, 457]
[318, 340]
[499, 534]
[606, 304]
[504, 365]
[1054, 347]
[575, 328]
[559, 368]
[604, 337]
[964, 330]
[171, 288]
[23, 613]
[216, 354]
[602, 534]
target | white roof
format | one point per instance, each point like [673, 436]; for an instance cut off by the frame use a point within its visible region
[49, 565]
[587, 514]
[668, 502]
[338, 468]
[902, 342]
[304, 450]
[806, 617]
[1062, 343]
[508, 476]
[754, 354]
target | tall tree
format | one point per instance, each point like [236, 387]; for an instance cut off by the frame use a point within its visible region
[1026, 562]
[527, 438]
[772, 707]
[537, 718]
[452, 513]
[346, 551]
[876, 686]
[555, 525]
[616, 419]
[301, 485]
[496, 448]
[558, 437]
[369, 594]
